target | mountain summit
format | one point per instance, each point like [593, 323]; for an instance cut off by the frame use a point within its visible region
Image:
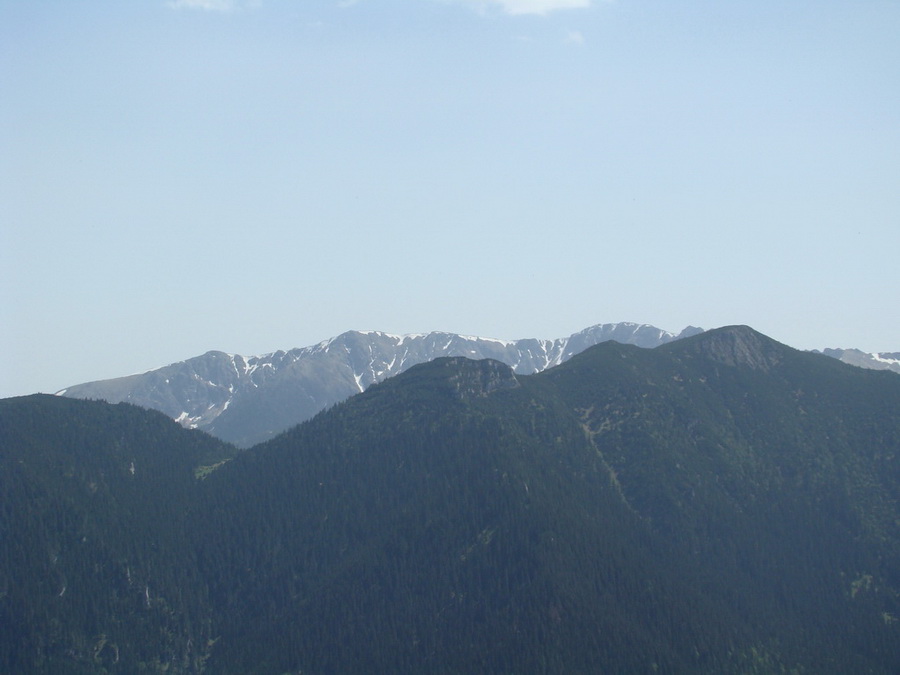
[739, 346]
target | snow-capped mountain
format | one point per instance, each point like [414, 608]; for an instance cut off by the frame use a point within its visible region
[247, 399]
[855, 357]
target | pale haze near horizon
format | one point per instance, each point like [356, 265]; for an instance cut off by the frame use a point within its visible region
[183, 176]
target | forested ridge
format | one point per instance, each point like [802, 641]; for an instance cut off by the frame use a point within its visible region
[720, 504]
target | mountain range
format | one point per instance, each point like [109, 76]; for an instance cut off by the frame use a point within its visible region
[719, 504]
[248, 399]
[245, 400]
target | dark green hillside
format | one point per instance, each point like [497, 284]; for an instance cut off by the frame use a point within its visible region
[412, 530]
[631, 511]
[776, 470]
[95, 561]
[722, 504]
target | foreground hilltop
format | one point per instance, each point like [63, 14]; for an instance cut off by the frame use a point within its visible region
[720, 504]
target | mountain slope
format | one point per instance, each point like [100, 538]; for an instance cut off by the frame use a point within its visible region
[777, 470]
[94, 555]
[720, 504]
[425, 533]
[245, 400]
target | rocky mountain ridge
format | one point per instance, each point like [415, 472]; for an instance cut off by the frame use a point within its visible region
[248, 399]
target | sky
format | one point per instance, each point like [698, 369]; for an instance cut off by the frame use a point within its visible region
[253, 175]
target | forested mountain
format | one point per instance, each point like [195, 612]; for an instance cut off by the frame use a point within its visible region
[96, 562]
[719, 504]
[249, 399]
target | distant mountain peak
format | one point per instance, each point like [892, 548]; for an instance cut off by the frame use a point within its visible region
[877, 361]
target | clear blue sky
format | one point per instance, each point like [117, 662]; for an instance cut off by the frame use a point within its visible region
[257, 175]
